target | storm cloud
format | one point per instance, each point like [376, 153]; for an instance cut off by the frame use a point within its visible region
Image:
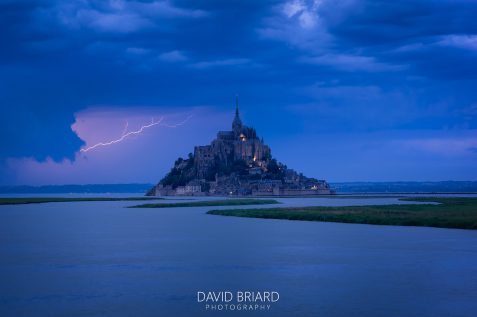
[314, 73]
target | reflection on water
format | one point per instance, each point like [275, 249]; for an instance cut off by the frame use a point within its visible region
[100, 259]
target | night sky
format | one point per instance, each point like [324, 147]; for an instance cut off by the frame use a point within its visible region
[344, 90]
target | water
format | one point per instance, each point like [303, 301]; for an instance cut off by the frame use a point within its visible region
[100, 259]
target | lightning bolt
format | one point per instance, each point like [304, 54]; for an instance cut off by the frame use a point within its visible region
[126, 134]
[177, 124]
[126, 127]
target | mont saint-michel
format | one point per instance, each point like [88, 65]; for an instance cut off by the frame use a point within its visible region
[237, 163]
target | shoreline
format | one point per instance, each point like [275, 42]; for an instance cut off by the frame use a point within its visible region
[453, 213]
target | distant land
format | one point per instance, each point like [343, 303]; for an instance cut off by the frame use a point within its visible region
[406, 187]
[77, 189]
[341, 188]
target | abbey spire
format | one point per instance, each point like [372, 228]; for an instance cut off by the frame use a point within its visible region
[236, 106]
[237, 123]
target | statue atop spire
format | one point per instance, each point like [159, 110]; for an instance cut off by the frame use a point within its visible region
[237, 123]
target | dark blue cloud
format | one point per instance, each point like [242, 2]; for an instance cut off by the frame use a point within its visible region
[307, 66]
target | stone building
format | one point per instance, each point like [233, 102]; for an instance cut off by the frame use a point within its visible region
[241, 143]
[236, 162]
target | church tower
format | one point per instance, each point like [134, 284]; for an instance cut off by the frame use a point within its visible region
[237, 123]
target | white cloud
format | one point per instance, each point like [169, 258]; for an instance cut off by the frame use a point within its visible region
[308, 19]
[118, 22]
[299, 24]
[306, 13]
[173, 56]
[117, 16]
[165, 9]
[351, 63]
[304, 25]
[137, 51]
[292, 8]
[221, 63]
[468, 42]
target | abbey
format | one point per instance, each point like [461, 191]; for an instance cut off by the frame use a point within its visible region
[237, 162]
[241, 143]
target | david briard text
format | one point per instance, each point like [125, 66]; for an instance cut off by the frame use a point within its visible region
[239, 300]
